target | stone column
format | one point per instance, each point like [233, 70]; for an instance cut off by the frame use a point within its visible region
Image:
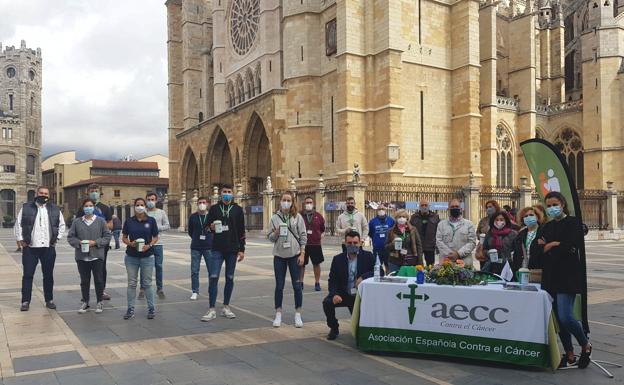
[214, 199]
[182, 208]
[319, 196]
[194, 201]
[526, 192]
[471, 200]
[166, 203]
[358, 192]
[267, 205]
[612, 217]
[240, 196]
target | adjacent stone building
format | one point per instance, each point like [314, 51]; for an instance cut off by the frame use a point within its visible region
[20, 122]
[414, 91]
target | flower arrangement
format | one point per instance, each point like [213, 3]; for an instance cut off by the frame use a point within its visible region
[451, 273]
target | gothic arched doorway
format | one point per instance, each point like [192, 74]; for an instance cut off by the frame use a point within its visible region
[258, 156]
[219, 160]
[190, 173]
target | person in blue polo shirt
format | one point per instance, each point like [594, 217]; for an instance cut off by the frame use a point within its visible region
[138, 230]
[378, 231]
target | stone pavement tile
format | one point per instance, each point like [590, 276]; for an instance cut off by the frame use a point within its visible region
[350, 377]
[134, 373]
[99, 337]
[46, 361]
[213, 357]
[85, 376]
[258, 357]
[313, 362]
[284, 348]
[35, 379]
[236, 373]
[185, 370]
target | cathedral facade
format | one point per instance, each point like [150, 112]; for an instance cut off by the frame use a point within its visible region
[413, 91]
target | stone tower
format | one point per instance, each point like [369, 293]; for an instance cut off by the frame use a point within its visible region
[20, 125]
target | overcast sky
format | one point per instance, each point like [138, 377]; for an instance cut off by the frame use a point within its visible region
[104, 72]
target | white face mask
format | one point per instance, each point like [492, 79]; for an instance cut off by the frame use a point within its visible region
[309, 206]
[202, 207]
[402, 220]
[499, 224]
[139, 209]
[381, 213]
[286, 205]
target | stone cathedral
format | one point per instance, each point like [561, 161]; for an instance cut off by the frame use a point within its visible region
[414, 91]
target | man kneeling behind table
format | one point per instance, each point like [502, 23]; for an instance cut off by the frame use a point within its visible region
[348, 269]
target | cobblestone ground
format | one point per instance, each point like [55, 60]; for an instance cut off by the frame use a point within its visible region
[63, 347]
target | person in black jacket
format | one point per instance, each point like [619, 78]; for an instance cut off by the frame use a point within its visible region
[426, 223]
[348, 269]
[201, 242]
[227, 222]
[557, 251]
[531, 219]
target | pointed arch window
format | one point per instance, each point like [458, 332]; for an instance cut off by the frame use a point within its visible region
[504, 157]
[571, 146]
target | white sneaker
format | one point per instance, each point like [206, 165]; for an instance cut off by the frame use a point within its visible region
[209, 316]
[194, 297]
[83, 308]
[227, 313]
[298, 320]
[277, 322]
[99, 307]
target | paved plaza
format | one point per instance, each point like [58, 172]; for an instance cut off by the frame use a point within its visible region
[63, 347]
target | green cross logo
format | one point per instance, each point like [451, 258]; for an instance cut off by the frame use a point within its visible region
[412, 297]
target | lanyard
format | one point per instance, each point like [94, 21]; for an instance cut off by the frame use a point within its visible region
[310, 218]
[351, 220]
[454, 230]
[226, 214]
[201, 222]
[404, 235]
[285, 219]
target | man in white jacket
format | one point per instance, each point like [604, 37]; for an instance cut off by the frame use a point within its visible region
[351, 220]
[456, 237]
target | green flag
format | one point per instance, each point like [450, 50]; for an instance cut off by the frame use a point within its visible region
[550, 172]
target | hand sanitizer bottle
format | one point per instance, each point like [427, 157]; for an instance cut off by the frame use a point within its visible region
[377, 273]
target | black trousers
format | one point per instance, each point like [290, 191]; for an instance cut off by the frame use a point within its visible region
[104, 268]
[330, 309]
[429, 257]
[86, 269]
[30, 258]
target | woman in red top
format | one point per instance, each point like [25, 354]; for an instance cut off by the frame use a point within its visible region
[315, 226]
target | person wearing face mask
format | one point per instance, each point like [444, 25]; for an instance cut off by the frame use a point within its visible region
[426, 223]
[39, 225]
[140, 227]
[348, 269]
[94, 230]
[411, 251]
[456, 237]
[378, 232]
[491, 207]
[201, 242]
[531, 219]
[351, 220]
[104, 212]
[315, 228]
[227, 222]
[287, 231]
[162, 221]
[557, 251]
[500, 237]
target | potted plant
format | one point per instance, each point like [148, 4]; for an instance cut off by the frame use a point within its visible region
[8, 221]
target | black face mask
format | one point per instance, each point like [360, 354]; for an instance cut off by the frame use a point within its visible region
[350, 208]
[455, 212]
[41, 200]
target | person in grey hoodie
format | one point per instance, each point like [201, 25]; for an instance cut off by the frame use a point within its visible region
[93, 229]
[288, 233]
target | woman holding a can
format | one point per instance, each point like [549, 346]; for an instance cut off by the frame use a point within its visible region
[498, 244]
[530, 219]
[557, 249]
[140, 234]
[288, 232]
[403, 243]
[89, 236]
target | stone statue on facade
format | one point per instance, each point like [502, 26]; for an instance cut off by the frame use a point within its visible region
[356, 172]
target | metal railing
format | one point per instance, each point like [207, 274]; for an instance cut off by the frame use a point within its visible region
[620, 209]
[503, 195]
[594, 208]
[253, 204]
[334, 196]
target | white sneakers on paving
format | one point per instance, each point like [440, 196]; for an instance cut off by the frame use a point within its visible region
[209, 316]
[83, 308]
[277, 322]
[99, 308]
[194, 297]
[298, 320]
[227, 313]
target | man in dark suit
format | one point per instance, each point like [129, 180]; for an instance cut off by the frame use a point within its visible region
[348, 269]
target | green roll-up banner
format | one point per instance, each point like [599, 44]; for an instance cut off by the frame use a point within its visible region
[550, 172]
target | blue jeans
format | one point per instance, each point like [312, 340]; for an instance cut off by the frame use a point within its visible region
[146, 266]
[158, 266]
[279, 266]
[116, 234]
[196, 257]
[215, 261]
[568, 325]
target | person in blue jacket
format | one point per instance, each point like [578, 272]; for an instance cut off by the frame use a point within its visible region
[378, 231]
